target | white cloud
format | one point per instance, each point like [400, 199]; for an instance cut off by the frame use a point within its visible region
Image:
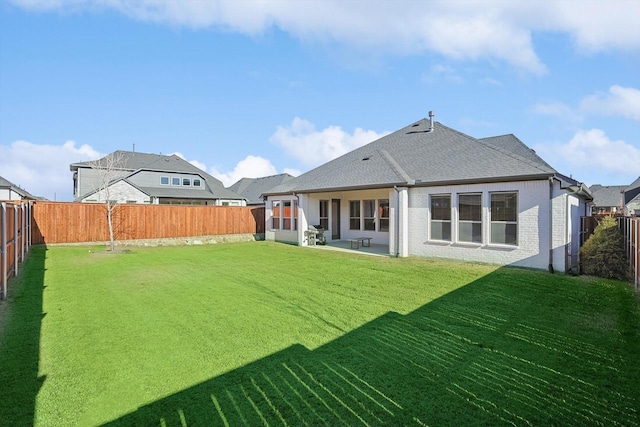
[311, 147]
[43, 169]
[249, 167]
[619, 101]
[592, 157]
[463, 30]
[558, 109]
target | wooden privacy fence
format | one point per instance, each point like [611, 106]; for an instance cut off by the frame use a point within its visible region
[58, 222]
[630, 228]
[15, 230]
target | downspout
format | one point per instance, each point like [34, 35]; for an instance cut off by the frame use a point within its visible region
[396, 224]
[551, 225]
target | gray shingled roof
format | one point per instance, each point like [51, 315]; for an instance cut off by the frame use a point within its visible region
[5, 183]
[415, 156]
[607, 195]
[253, 188]
[135, 161]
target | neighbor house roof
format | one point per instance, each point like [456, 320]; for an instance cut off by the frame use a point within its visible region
[253, 188]
[607, 195]
[135, 162]
[5, 183]
[416, 155]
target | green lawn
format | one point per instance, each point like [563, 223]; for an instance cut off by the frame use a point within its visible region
[263, 333]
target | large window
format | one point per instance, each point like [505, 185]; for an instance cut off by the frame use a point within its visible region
[354, 215]
[369, 214]
[470, 218]
[441, 217]
[383, 215]
[504, 218]
[324, 214]
[275, 223]
[286, 215]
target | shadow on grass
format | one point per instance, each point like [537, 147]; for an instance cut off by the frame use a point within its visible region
[498, 351]
[20, 325]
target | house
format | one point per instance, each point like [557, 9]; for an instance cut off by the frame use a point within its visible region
[11, 192]
[608, 199]
[632, 198]
[150, 179]
[616, 199]
[253, 188]
[429, 190]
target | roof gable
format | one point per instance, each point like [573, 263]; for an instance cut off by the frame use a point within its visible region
[253, 188]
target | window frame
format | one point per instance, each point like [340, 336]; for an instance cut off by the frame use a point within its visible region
[197, 182]
[163, 179]
[186, 182]
[175, 181]
[354, 214]
[383, 215]
[323, 208]
[286, 219]
[504, 222]
[436, 222]
[462, 219]
[275, 219]
[369, 218]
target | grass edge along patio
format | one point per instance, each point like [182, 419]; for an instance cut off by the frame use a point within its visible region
[241, 334]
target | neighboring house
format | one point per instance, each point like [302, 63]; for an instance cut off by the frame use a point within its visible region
[429, 190]
[616, 199]
[608, 199]
[152, 179]
[632, 198]
[253, 188]
[11, 192]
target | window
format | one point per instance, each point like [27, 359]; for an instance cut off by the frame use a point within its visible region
[175, 181]
[383, 215]
[504, 218]
[186, 181]
[441, 217]
[324, 214]
[354, 215]
[369, 214]
[276, 215]
[286, 215]
[470, 218]
[196, 182]
[164, 180]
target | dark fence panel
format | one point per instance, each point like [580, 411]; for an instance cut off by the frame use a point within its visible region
[57, 222]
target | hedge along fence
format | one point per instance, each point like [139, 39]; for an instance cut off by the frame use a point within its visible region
[15, 231]
[59, 222]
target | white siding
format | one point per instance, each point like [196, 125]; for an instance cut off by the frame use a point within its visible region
[120, 191]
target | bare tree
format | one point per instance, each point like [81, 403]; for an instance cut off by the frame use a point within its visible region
[106, 171]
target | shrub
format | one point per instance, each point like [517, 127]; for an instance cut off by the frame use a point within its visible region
[603, 254]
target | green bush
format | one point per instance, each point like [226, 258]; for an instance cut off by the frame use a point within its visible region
[603, 254]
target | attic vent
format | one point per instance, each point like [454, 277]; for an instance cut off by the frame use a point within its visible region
[366, 158]
[415, 125]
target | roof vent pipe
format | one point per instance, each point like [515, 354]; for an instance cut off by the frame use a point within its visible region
[431, 121]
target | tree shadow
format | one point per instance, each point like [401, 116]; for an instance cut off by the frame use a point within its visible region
[20, 324]
[487, 354]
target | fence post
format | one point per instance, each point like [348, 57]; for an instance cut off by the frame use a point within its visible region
[3, 252]
[22, 233]
[16, 249]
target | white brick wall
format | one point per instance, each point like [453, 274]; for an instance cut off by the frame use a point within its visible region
[122, 192]
[533, 225]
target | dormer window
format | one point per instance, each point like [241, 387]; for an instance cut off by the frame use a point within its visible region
[164, 180]
[186, 181]
[196, 182]
[175, 181]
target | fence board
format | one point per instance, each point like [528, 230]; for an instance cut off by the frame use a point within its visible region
[14, 242]
[57, 222]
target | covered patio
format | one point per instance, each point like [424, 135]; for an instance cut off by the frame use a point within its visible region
[375, 249]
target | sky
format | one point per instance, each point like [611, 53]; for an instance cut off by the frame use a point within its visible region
[252, 88]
